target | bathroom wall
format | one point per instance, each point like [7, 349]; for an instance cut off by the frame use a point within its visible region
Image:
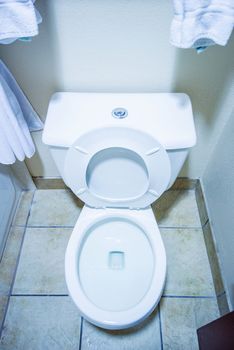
[109, 45]
[218, 187]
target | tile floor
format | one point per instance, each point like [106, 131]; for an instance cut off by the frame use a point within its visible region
[35, 309]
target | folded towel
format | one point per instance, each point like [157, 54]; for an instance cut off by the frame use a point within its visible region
[201, 23]
[17, 118]
[18, 19]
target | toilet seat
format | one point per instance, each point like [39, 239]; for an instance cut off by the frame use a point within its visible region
[139, 306]
[105, 161]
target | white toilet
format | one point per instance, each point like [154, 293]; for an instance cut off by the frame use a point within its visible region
[118, 153]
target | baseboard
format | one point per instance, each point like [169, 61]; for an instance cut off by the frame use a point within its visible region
[50, 183]
[184, 183]
[220, 291]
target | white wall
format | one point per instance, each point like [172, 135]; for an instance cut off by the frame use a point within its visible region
[218, 186]
[120, 45]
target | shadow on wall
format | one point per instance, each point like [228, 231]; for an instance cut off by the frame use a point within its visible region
[207, 78]
[210, 73]
[34, 56]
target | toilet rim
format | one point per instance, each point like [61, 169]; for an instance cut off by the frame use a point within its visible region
[115, 319]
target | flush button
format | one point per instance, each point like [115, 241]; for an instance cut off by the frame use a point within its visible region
[119, 113]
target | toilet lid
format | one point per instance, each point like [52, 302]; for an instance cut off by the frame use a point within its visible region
[117, 167]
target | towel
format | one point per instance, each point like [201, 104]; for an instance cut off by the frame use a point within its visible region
[18, 20]
[202, 23]
[17, 119]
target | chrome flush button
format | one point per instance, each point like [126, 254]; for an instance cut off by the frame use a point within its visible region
[119, 113]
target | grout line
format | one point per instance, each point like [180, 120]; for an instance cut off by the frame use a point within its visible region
[160, 326]
[38, 295]
[190, 296]
[42, 226]
[68, 226]
[50, 226]
[15, 271]
[72, 226]
[81, 333]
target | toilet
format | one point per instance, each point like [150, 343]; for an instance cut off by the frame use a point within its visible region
[118, 153]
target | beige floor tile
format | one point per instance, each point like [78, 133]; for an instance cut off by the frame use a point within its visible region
[22, 212]
[145, 336]
[41, 323]
[54, 208]
[41, 265]
[177, 209]
[9, 259]
[181, 318]
[188, 270]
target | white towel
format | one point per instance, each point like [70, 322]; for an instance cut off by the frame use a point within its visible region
[17, 119]
[202, 23]
[18, 19]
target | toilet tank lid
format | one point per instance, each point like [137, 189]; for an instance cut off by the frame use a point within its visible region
[168, 117]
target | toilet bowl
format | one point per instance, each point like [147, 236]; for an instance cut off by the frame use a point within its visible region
[115, 266]
[118, 164]
[115, 263]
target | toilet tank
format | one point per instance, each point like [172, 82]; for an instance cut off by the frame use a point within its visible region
[167, 117]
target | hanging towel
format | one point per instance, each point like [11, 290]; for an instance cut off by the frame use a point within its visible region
[201, 23]
[17, 119]
[18, 19]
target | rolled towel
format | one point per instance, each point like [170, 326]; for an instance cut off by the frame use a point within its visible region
[201, 23]
[18, 20]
